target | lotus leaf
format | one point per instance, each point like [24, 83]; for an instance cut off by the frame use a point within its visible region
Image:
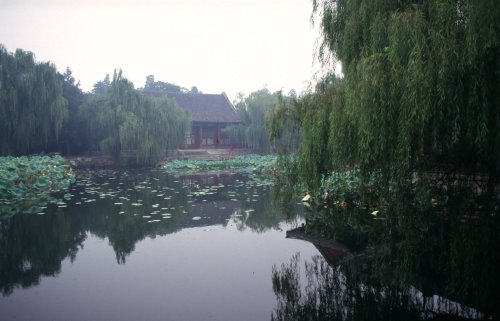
[27, 182]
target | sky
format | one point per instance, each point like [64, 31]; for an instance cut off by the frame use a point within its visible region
[232, 46]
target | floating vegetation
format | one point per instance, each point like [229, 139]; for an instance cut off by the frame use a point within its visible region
[247, 164]
[124, 202]
[27, 183]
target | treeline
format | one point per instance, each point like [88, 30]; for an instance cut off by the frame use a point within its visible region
[420, 93]
[43, 111]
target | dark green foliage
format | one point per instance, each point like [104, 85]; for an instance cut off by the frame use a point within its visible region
[73, 139]
[32, 106]
[314, 152]
[420, 92]
[421, 85]
[131, 127]
[44, 111]
[394, 255]
[302, 126]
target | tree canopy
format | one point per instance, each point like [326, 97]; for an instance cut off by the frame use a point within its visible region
[101, 87]
[131, 127]
[420, 90]
[32, 106]
[43, 111]
[73, 139]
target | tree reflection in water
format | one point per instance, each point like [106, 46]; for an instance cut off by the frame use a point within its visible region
[438, 263]
[34, 246]
[125, 207]
[345, 292]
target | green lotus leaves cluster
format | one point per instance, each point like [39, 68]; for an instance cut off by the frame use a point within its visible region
[246, 164]
[27, 184]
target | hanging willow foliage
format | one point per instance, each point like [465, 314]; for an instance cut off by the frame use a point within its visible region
[131, 127]
[283, 124]
[421, 88]
[32, 106]
[302, 127]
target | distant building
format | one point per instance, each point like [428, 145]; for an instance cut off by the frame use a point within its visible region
[210, 113]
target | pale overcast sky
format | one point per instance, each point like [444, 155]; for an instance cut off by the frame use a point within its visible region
[216, 45]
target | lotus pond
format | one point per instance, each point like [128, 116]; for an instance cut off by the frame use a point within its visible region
[148, 245]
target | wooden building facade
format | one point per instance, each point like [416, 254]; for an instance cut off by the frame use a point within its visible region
[210, 113]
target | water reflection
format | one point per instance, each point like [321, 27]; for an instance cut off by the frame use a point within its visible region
[440, 262]
[347, 292]
[32, 246]
[125, 208]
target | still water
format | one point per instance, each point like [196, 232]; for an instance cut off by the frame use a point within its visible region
[144, 245]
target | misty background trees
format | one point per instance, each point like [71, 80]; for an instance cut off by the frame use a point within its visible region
[126, 121]
[43, 111]
[253, 111]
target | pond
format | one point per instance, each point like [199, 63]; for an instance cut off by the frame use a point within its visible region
[145, 245]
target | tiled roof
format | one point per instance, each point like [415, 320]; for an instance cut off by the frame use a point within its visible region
[213, 108]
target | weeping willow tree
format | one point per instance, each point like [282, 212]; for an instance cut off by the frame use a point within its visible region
[422, 83]
[420, 92]
[131, 127]
[300, 130]
[32, 106]
[284, 124]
